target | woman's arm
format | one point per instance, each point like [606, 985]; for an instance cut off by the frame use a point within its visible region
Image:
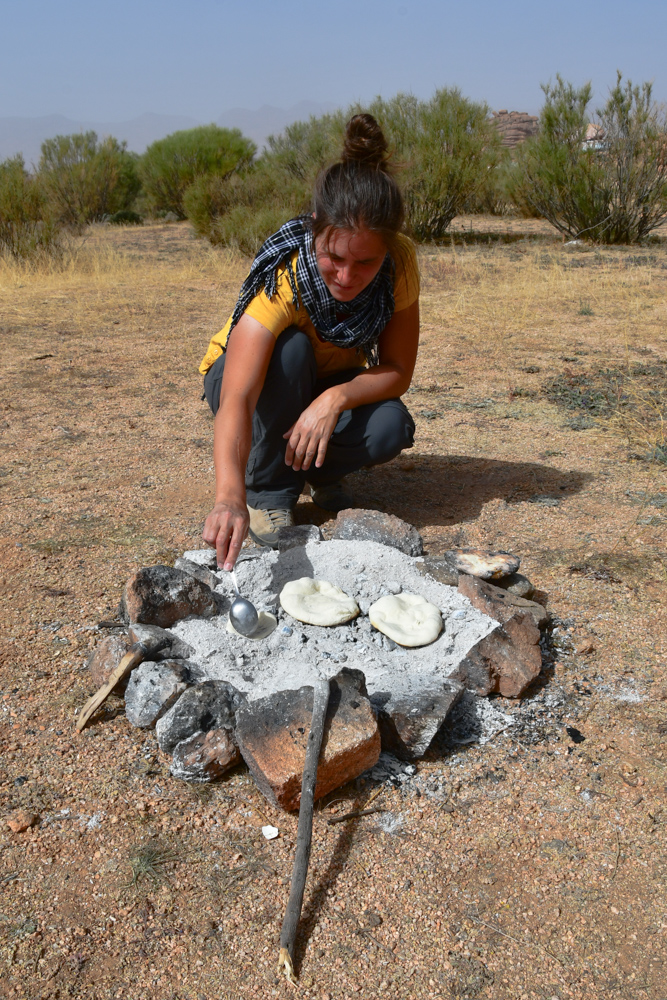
[309, 437]
[247, 360]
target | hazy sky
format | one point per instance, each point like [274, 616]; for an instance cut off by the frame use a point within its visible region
[115, 60]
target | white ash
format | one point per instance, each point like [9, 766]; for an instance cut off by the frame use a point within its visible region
[295, 654]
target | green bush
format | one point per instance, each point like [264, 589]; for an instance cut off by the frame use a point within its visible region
[613, 190]
[447, 148]
[170, 165]
[241, 210]
[85, 179]
[27, 226]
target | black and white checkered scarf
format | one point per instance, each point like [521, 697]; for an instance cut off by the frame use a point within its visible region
[358, 323]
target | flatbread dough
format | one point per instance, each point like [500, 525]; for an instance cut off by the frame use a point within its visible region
[265, 626]
[408, 619]
[317, 602]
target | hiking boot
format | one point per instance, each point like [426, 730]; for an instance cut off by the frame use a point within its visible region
[265, 525]
[334, 497]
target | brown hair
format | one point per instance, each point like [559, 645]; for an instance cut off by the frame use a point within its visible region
[359, 191]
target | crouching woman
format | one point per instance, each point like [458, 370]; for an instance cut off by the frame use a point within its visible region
[305, 378]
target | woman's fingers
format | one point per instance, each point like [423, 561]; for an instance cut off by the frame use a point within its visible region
[308, 443]
[225, 529]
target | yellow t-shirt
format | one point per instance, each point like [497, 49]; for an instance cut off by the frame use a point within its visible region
[279, 312]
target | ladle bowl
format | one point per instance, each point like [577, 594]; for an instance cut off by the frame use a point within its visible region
[242, 614]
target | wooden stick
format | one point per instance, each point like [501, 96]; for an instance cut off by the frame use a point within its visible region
[355, 814]
[304, 834]
[135, 655]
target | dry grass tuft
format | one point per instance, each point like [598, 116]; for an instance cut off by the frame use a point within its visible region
[151, 861]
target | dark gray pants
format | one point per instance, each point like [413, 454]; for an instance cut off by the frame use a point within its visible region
[367, 435]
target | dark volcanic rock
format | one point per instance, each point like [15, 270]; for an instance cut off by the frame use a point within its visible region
[205, 756]
[152, 690]
[201, 573]
[272, 734]
[297, 534]
[162, 595]
[409, 724]
[105, 658]
[375, 526]
[206, 706]
[176, 648]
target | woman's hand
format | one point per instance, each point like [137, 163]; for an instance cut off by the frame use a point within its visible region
[309, 437]
[225, 528]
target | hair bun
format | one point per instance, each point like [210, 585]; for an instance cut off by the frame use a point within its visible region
[365, 142]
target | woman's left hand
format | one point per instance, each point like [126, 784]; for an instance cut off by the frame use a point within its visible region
[308, 438]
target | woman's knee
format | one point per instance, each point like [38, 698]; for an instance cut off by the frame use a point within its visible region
[390, 429]
[293, 356]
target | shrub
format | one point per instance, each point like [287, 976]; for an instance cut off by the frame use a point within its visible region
[613, 190]
[86, 179]
[125, 217]
[241, 210]
[170, 165]
[447, 146]
[27, 227]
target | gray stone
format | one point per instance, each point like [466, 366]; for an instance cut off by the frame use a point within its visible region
[176, 650]
[201, 573]
[202, 557]
[440, 568]
[152, 690]
[162, 595]
[408, 724]
[205, 756]
[517, 584]
[375, 526]
[206, 706]
[297, 534]
[272, 734]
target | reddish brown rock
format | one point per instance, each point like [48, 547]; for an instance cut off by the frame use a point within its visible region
[162, 595]
[105, 658]
[498, 603]
[272, 734]
[508, 659]
[374, 526]
[205, 756]
[21, 820]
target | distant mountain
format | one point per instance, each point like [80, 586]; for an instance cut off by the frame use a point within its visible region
[268, 120]
[26, 135]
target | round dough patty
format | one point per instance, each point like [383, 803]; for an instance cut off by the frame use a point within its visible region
[317, 602]
[408, 619]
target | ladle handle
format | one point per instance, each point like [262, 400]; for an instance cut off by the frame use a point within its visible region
[235, 584]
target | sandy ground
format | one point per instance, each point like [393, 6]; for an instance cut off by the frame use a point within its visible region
[533, 866]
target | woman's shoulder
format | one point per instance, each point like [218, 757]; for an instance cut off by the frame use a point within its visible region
[406, 281]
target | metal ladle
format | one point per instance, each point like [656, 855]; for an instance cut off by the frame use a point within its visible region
[242, 614]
